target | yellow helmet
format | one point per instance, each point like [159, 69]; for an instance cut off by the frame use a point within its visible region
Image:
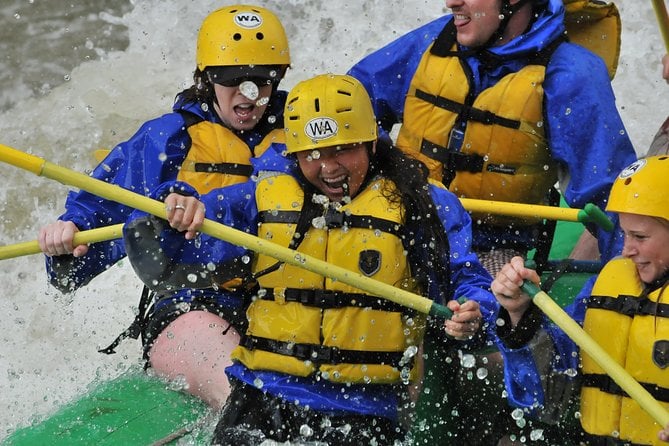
[328, 110]
[249, 38]
[642, 188]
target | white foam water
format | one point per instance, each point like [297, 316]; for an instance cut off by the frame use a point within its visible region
[126, 69]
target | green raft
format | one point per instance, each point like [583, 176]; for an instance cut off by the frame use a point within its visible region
[133, 409]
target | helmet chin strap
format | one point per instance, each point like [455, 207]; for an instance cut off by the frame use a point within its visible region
[506, 12]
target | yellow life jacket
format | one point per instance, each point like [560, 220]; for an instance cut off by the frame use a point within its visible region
[503, 155]
[217, 157]
[634, 329]
[595, 25]
[302, 323]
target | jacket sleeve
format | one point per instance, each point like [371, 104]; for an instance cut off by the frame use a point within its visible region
[164, 260]
[152, 156]
[468, 277]
[586, 134]
[387, 72]
[541, 366]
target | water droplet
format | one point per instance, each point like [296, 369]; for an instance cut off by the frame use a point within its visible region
[468, 361]
[481, 373]
[249, 90]
[537, 434]
[306, 431]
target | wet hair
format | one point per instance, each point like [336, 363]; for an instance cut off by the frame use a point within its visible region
[425, 237]
[202, 90]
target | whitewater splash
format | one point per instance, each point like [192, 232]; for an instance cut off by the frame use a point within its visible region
[49, 342]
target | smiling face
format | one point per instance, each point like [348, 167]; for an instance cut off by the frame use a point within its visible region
[333, 169]
[646, 244]
[475, 20]
[236, 110]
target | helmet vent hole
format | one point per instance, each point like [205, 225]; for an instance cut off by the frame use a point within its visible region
[317, 105]
[344, 92]
[260, 36]
[237, 36]
[627, 181]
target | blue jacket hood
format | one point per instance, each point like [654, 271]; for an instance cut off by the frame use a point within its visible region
[547, 27]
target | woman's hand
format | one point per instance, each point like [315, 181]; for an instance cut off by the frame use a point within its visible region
[184, 214]
[466, 319]
[55, 239]
[506, 288]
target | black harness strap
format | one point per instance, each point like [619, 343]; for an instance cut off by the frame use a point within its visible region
[326, 299]
[335, 219]
[137, 326]
[629, 305]
[607, 385]
[467, 112]
[452, 160]
[321, 354]
[243, 170]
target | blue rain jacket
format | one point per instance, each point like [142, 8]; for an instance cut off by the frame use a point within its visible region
[585, 132]
[151, 157]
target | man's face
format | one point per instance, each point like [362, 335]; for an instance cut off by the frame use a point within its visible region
[475, 20]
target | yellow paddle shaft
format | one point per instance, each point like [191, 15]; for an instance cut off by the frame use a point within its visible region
[598, 354]
[80, 238]
[590, 213]
[66, 176]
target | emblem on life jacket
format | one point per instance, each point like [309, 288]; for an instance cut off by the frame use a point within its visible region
[661, 354]
[369, 262]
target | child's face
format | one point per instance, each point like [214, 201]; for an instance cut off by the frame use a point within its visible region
[237, 111]
[334, 169]
[646, 244]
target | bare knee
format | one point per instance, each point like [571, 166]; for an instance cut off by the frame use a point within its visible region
[194, 350]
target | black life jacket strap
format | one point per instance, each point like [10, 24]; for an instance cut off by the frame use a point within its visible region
[607, 385]
[453, 161]
[335, 219]
[243, 170]
[321, 354]
[629, 305]
[467, 112]
[326, 299]
[137, 326]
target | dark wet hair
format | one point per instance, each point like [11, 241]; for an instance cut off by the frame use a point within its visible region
[425, 236]
[202, 90]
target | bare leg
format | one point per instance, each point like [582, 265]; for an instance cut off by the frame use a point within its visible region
[195, 349]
